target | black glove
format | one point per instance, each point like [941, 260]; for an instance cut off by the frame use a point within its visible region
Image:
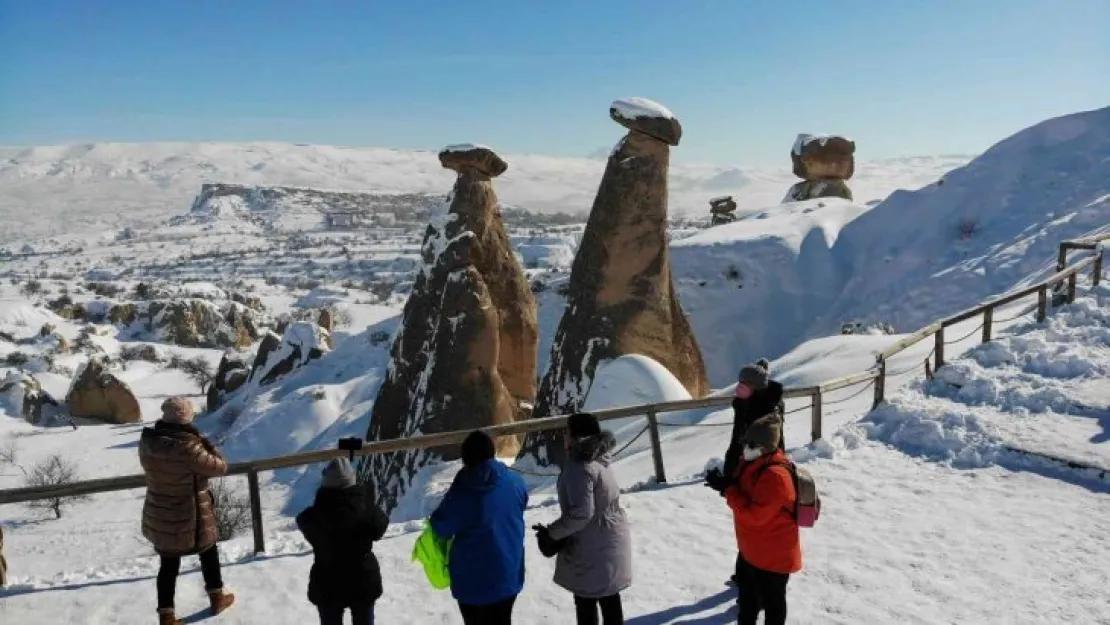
[717, 481]
[548, 545]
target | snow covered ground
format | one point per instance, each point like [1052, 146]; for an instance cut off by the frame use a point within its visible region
[54, 190]
[928, 517]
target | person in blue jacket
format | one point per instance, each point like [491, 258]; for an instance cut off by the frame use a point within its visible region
[483, 512]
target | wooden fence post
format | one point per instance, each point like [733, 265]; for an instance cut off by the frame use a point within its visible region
[988, 318]
[1062, 258]
[656, 447]
[1096, 271]
[880, 384]
[1042, 303]
[1071, 288]
[256, 512]
[815, 416]
[938, 348]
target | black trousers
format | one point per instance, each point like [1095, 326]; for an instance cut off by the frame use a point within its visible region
[171, 566]
[612, 612]
[500, 613]
[762, 591]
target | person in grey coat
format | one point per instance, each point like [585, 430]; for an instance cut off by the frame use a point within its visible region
[592, 535]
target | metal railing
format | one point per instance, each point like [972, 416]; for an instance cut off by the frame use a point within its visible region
[875, 376]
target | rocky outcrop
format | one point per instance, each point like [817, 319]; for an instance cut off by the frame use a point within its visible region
[302, 342]
[621, 298]
[721, 210]
[465, 354]
[231, 375]
[191, 322]
[824, 164]
[98, 394]
[22, 394]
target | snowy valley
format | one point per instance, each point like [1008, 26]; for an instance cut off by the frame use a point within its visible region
[272, 297]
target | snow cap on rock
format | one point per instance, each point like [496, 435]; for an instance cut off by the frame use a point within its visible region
[476, 157]
[651, 118]
[177, 410]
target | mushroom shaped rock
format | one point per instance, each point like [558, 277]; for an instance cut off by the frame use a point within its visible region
[650, 118]
[621, 297]
[823, 157]
[477, 158]
[464, 356]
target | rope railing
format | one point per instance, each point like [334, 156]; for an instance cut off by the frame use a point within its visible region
[874, 377]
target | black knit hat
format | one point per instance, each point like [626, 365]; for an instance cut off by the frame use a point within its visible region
[583, 424]
[477, 448]
[755, 375]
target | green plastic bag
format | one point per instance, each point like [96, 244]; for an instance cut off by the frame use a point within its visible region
[433, 552]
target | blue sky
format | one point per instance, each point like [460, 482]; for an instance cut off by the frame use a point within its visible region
[901, 77]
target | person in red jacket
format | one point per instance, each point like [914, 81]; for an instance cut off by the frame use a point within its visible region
[762, 501]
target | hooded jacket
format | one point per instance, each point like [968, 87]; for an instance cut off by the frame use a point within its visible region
[762, 509]
[596, 560]
[483, 515]
[179, 512]
[342, 532]
[745, 412]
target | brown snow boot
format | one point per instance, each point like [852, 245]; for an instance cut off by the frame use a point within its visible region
[220, 600]
[166, 617]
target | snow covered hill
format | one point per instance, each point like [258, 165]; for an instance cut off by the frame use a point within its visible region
[930, 516]
[52, 190]
[761, 285]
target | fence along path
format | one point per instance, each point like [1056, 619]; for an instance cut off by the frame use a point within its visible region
[1061, 286]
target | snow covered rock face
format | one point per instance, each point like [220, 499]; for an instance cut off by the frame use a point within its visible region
[302, 343]
[824, 164]
[21, 394]
[96, 393]
[191, 322]
[621, 298]
[231, 374]
[650, 118]
[465, 356]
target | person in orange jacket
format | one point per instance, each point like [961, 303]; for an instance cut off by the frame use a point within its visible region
[762, 500]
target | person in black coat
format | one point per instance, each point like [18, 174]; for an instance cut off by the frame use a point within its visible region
[342, 526]
[757, 395]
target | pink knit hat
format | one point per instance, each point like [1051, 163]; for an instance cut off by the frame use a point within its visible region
[177, 410]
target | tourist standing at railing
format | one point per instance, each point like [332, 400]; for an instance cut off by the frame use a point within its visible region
[592, 535]
[762, 502]
[757, 395]
[3, 562]
[482, 517]
[179, 515]
[342, 526]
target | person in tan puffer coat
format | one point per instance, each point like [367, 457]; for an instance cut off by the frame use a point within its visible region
[179, 516]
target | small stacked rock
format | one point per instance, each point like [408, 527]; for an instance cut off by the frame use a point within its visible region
[722, 210]
[824, 164]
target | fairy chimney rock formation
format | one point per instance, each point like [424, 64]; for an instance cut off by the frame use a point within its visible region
[721, 210]
[621, 298]
[465, 355]
[825, 164]
[95, 392]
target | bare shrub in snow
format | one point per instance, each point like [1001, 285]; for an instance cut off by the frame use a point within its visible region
[732, 274]
[31, 288]
[538, 286]
[198, 369]
[55, 470]
[9, 453]
[139, 352]
[968, 227]
[104, 289]
[16, 359]
[232, 509]
[379, 337]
